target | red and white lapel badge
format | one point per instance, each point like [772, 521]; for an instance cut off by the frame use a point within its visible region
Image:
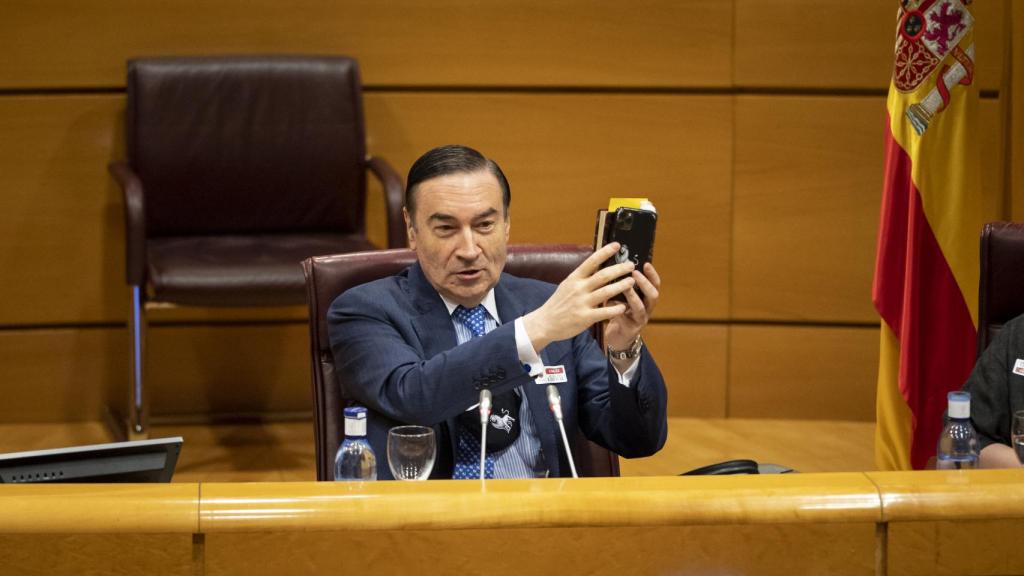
[1018, 367]
[552, 375]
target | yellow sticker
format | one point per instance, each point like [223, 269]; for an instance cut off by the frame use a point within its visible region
[616, 203]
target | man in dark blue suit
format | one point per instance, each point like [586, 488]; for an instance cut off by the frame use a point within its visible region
[418, 348]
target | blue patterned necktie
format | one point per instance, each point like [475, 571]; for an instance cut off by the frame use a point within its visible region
[467, 457]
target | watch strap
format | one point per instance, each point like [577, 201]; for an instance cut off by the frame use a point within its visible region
[629, 353]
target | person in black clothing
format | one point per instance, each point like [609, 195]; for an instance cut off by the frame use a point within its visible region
[997, 391]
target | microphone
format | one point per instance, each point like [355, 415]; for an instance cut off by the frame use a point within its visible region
[555, 402]
[485, 415]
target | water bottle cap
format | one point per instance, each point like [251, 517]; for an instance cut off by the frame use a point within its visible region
[959, 404]
[355, 421]
[355, 412]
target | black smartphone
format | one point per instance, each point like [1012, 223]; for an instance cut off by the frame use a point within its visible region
[634, 230]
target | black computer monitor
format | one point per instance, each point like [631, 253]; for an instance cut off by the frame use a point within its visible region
[136, 461]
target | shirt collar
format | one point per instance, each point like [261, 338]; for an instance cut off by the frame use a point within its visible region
[488, 303]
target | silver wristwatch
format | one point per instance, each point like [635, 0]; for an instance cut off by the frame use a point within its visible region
[629, 353]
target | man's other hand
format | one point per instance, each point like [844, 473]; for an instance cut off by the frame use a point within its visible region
[623, 329]
[580, 301]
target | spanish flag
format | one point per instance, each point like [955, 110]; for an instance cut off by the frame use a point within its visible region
[926, 270]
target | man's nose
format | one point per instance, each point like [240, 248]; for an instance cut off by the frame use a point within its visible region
[468, 248]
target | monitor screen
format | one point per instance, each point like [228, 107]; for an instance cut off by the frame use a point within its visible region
[135, 461]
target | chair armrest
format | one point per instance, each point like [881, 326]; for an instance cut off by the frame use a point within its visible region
[134, 222]
[394, 199]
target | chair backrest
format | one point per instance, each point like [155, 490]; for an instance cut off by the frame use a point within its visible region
[240, 144]
[1001, 291]
[329, 276]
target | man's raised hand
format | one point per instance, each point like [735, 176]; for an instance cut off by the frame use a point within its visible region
[578, 301]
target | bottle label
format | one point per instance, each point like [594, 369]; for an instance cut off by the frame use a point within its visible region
[355, 426]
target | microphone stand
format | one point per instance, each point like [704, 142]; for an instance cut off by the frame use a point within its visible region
[485, 414]
[555, 402]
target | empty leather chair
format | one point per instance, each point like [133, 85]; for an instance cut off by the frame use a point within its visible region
[238, 168]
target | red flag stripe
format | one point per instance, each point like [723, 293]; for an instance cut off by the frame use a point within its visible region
[916, 294]
[891, 256]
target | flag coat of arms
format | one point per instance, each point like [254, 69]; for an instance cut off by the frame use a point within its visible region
[926, 270]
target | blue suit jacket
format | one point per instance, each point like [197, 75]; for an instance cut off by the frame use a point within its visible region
[396, 353]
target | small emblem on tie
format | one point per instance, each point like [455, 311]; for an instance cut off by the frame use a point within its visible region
[503, 422]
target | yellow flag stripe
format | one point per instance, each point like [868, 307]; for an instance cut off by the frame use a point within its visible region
[893, 417]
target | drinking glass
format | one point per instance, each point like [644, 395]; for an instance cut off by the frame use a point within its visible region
[1017, 434]
[411, 451]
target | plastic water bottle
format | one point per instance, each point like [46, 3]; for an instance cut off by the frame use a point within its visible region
[958, 444]
[355, 459]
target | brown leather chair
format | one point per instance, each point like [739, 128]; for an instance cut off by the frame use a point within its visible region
[1001, 291]
[238, 168]
[329, 276]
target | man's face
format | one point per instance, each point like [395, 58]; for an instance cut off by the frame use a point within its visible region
[460, 233]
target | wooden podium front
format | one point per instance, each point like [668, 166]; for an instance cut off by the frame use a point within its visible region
[851, 523]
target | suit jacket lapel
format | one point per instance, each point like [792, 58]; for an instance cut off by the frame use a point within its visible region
[433, 327]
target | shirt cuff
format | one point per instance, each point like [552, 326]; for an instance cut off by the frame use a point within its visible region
[527, 355]
[625, 377]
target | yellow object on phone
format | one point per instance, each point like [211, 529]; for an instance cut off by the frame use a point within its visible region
[616, 203]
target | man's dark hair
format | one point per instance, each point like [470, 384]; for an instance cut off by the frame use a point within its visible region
[452, 159]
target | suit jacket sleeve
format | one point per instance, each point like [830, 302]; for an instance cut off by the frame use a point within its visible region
[630, 421]
[988, 384]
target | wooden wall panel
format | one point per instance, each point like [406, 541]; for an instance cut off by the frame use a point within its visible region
[54, 375]
[565, 155]
[808, 184]
[992, 134]
[805, 216]
[73, 374]
[817, 373]
[61, 223]
[60, 43]
[840, 44]
[230, 369]
[692, 358]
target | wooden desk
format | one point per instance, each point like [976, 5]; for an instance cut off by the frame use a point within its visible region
[790, 524]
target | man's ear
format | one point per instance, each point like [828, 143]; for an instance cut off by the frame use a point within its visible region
[410, 228]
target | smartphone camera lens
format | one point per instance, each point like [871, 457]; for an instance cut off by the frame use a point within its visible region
[624, 221]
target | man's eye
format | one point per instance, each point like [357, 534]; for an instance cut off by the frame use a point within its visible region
[444, 229]
[488, 225]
